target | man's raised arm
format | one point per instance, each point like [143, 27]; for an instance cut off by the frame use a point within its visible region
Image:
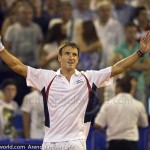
[15, 64]
[126, 63]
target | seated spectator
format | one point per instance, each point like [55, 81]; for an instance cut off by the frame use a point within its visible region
[33, 115]
[8, 108]
[128, 47]
[123, 12]
[106, 25]
[122, 115]
[90, 45]
[49, 58]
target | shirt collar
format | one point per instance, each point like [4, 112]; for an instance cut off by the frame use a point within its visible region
[76, 72]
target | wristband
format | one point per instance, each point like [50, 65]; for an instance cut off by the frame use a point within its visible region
[140, 53]
[1, 46]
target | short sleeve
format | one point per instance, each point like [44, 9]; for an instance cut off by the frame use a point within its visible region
[26, 105]
[101, 119]
[101, 78]
[39, 78]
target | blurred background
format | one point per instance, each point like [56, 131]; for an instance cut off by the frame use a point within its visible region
[106, 31]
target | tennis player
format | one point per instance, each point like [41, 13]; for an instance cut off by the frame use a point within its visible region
[68, 93]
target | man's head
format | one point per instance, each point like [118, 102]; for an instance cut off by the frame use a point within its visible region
[25, 14]
[131, 32]
[123, 85]
[104, 10]
[65, 11]
[68, 55]
[9, 89]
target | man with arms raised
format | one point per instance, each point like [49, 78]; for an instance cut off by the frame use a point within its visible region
[67, 93]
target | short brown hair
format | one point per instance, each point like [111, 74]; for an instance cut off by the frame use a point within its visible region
[68, 44]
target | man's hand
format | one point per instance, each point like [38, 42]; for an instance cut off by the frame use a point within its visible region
[145, 43]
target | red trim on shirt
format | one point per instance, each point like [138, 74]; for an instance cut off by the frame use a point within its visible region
[88, 84]
[48, 88]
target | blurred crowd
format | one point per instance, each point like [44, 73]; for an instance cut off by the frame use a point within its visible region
[106, 31]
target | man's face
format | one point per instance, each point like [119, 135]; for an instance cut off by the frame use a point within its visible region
[104, 12]
[131, 33]
[10, 92]
[69, 58]
[65, 12]
[26, 15]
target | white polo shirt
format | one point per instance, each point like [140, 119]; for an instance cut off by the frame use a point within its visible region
[122, 114]
[65, 107]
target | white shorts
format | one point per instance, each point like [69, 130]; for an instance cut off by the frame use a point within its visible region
[68, 145]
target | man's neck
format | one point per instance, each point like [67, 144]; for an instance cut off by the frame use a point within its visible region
[67, 73]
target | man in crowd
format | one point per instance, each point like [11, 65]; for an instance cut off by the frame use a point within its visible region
[122, 115]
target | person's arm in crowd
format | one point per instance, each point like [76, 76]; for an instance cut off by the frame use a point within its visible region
[26, 124]
[15, 64]
[126, 63]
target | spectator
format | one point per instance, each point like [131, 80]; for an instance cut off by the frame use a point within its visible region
[83, 11]
[41, 16]
[8, 108]
[128, 47]
[123, 12]
[23, 37]
[69, 24]
[106, 25]
[33, 115]
[122, 115]
[51, 8]
[49, 57]
[90, 45]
